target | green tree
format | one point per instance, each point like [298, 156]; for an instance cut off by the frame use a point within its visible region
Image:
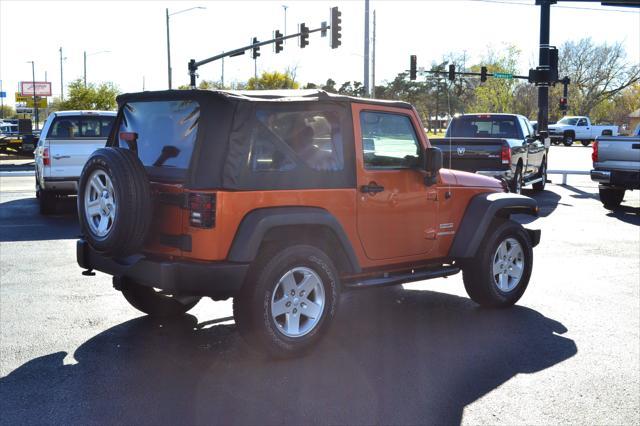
[91, 97]
[7, 112]
[496, 94]
[272, 80]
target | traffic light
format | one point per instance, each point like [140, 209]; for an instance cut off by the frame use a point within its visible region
[256, 50]
[336, 27]
[279, 42]
[452, 72]
[563, 104]
[553, 64]
[483, 74]
[413, 67]
[304, 36]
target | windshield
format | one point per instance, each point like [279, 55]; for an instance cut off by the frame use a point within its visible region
[572, 121]
[484, 126]
[166, 133]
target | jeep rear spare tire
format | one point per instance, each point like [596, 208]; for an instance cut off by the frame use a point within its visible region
[114, 202]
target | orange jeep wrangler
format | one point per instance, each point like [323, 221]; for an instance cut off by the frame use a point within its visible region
[283, 199]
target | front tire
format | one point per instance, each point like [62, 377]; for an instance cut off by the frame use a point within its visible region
[516, 182]
[499, 274]
[154, 303]
[288, 301]
[568, 140]
[611, 197]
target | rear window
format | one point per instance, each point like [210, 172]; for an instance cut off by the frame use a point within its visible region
[167, 132]
[484, 127]
[81, 126]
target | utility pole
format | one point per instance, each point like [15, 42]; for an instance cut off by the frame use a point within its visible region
[373, 59]
[285, 7]
[61, 79]
[85, 69]
[366, 47]
[33, 81]
[168, 49]
[222, 78]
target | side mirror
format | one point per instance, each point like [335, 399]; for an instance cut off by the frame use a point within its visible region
[432, 164]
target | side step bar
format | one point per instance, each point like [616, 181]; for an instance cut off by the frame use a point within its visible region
[402, 278]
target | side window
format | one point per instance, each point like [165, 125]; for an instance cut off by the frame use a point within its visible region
[526, 130]
[286, 140]
[65, 128]
[582, 122]
[389, 141]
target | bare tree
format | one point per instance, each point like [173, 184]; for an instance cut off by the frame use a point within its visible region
[597, 72]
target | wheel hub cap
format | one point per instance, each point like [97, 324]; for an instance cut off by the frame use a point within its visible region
[508, 265]
[99, 203]
[297, 302]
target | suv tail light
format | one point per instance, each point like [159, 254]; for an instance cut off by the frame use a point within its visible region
[202, 210]
[505, 154]
[594, 154]
[46, 159]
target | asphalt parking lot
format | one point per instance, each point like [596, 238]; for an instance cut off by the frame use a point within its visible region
[72, 351]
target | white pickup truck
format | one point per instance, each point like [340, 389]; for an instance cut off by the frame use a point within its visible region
[616, 167]
[67, 140]
[578, 128]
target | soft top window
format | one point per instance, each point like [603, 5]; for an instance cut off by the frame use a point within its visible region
[484, 127]
[80, 126]
[166, 134]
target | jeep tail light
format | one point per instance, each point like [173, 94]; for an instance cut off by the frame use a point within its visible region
[46, 160]
[202, 210]
[594, 154]
[505, 155]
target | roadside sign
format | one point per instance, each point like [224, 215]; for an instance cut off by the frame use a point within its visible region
[506, 75]
[27, 101]
[3, 94]
[42, 88]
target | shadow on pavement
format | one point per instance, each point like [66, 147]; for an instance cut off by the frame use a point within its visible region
[579, 193]
[20, 220]
[547, 202]
[394, 356]
[626, 214]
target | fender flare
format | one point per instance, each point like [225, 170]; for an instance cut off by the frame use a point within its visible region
[480, 212]
[257, 223]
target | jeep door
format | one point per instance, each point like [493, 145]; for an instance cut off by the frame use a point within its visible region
[395, 209]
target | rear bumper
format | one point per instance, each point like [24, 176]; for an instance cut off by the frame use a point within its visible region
[219, 280]
[623, 178]
[67, 185]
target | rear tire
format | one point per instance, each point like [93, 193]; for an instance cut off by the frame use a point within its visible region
[585, 143]
[288, 301]
[611, 197]
[499, 274]
[47, 201]
[155, 304]
[516, 183]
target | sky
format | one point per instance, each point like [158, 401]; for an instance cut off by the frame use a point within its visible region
[126, 41]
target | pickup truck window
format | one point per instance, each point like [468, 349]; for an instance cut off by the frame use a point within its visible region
[582, 122]
[389, 141]
[489, 126]
[569, 121]
[73, 127]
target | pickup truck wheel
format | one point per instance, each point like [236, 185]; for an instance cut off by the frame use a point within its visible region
[156, 303]
[114, 202]
[516, 182]
[568, 140]
[47, 201]
[288, 300]
[585, 143]
[611, 197]
[500, 273]
[539, 186]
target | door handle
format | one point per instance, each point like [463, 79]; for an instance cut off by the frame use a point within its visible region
[372, 188]
[59, 157]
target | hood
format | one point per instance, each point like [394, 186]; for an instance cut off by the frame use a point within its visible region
[477, 181]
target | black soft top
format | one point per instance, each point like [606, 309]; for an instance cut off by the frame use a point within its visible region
[285, 95]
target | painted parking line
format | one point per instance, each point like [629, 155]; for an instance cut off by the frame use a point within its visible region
[17, 173]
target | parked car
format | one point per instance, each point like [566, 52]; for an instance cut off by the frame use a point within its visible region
[616, 167]
[281, 200]
[502, 146]
[67, 140]
[579, 128]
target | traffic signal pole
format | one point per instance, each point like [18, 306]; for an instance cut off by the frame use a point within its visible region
[544, 64]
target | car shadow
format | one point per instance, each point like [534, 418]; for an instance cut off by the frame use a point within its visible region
[626, 214]
[393, 356]
[20, 220]
[547, 202]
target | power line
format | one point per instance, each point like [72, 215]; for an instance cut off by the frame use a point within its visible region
[555, 6]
